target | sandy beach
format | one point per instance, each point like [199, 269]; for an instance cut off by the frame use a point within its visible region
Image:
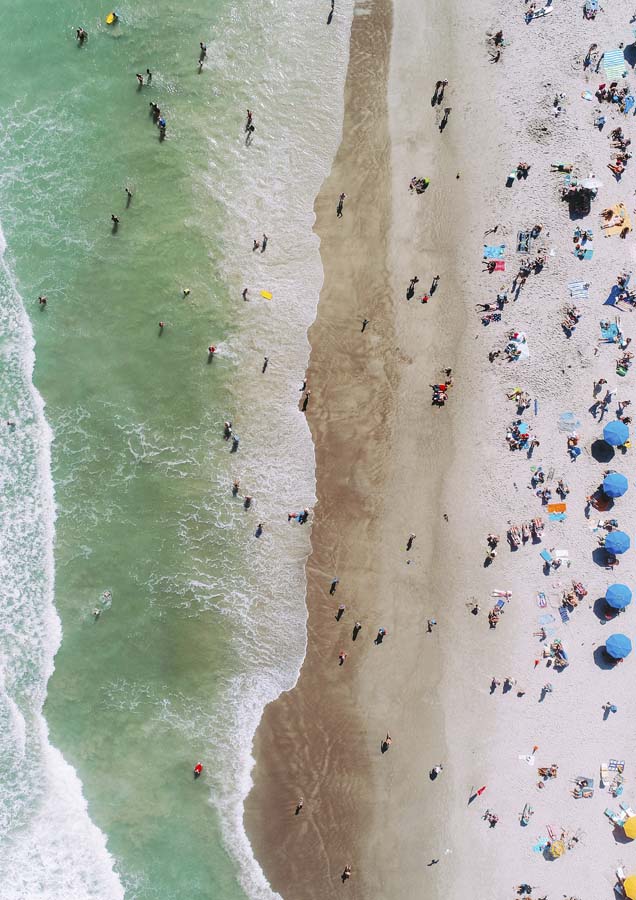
[390, 464]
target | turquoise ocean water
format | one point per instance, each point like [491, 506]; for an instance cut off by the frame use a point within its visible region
[115, 476]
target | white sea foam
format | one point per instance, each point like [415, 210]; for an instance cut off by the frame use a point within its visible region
[49, 848]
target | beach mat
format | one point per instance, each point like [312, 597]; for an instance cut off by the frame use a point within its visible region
[579, 289]
[494, 251]
[614, 64]
[610, 332]
[557, 507]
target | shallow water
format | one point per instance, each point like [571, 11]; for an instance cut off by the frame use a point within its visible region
[206, 622]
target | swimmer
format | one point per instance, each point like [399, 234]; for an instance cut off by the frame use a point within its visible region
[42, 300]
[211, 351]
[235, 486]
[97, 613]
[81, 36]
[140, 79]
[227, 432]
[247, 502]
[107, 597]
[162, 325]
[198, 769]
[244, 294]
[204, 50]
[186, 292]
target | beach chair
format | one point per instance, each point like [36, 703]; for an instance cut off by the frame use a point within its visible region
[615, 818]
[616, 765]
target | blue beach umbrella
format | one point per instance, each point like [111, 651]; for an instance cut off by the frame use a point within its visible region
[618, 596]
[617, 542]
[615, 485]
[616, 433]
[618, 646]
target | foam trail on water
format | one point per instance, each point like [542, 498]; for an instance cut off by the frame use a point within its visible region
[49, 848]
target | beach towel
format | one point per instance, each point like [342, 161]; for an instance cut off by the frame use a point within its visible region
[546, 618]
[616, 765]
[546, 556]
[557, 517]
[500, 266]
[565, 618]
[628, 104]
[619, 210]
[614, 64]
[542, 601]
[610, 332]
[541, 844]
[557, 507]
[523, 241]
[494, 251]
[579, 289]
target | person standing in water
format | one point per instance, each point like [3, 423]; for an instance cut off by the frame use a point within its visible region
[115, 220]
[129, 196]
[198, 769]
[148, 76]
[81, 36]
[204, 51]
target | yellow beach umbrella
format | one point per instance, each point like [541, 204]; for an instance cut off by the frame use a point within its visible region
[557, 848]
[629, 886]
[630, 827]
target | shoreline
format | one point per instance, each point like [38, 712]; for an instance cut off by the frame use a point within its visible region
[296, 743]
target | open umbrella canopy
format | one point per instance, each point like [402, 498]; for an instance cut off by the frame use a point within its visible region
[629, 886]
[630, 827]
[618, 646]
[557, 848]
[617, 542]
[616, 433]
[618, 596]
[615, 485]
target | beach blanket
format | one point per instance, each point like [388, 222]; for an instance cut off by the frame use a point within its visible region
[610, 332]
[619, 210]
[546, 619]
[614, 64]
[557, 517]
[557, 507]
[628, 104]
[565, 618]
[523, 241]
[586, 254]
[500, 265]
[579, 289]
[494, 251]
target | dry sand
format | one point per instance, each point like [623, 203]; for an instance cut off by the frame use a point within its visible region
[389, 464]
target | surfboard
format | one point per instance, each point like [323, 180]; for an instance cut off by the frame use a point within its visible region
[266, 294]
[111, 18]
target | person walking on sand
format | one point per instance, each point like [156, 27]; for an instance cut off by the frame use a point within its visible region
[340, 206]
[306, 401]
[330, 16]
[265, 364]
[386, 743]
[340, 613]
[264, 243]
[342, 656]
[334, 584]
[299, 806]
[255, 245]
[409, 543]
[346, 873]
[244, 294]
[365, 322]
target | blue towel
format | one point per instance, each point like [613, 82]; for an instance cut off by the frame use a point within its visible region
[492, 251]
[557, 517]
[629, 103]
[546, 619]
[610, 333]
[564, 614]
